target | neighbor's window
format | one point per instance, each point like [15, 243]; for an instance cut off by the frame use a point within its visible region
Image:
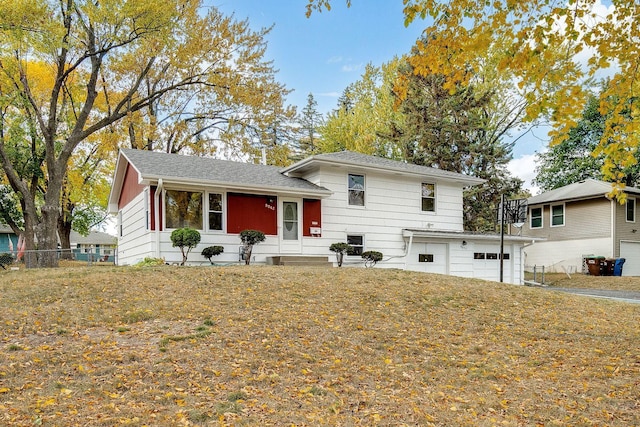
[428, 197]
[357, 242]
[631, 210]
[536, 217]
[557, 215]
[425, 257]
[183, 209]
[215, 211]
[356, 190]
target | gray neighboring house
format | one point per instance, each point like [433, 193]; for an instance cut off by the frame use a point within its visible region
[578, 220]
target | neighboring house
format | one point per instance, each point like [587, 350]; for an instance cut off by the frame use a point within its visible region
[7, 233]
[578, 220]
[96, 245]
[412, 214]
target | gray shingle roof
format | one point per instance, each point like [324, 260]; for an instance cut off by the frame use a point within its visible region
[589, 188]
[375, 162]
[94, 238]
[153, 165]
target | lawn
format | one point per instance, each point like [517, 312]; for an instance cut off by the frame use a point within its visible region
[286, 346]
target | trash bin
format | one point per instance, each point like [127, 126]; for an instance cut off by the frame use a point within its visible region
[617, 267]
[595, 265]
[607, 266]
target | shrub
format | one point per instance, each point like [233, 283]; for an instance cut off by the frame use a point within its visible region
[341, 249]
[250, 238]
[211, 251]
[185, 239]
[150, 262]
[5, 259]
[371, 258]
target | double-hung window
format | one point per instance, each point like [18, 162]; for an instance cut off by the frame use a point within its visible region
[536, 218]
[215, 211]
[557, 215]
[183, 209]
[357, 243]
[631, 210]
[356, 190]
[428, 197]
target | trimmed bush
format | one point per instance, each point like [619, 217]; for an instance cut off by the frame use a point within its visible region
[371, 258]
[250, 238]
[185, 239]
[341, 249]
[212, 251]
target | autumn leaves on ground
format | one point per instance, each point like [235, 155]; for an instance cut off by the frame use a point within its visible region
[280, 346]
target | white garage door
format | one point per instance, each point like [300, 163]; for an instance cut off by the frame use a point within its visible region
[428, 257]
[630, 251]
[486, 263]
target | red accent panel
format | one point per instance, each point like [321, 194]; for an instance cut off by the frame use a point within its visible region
[250, 211]
[152, 208]
[130, 187]
[311, 215]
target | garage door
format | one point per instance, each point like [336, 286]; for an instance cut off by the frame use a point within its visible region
[428, 257]
[486, 263]
[630, 251]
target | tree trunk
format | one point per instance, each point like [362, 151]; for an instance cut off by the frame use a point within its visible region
[247, 254]
[64, 233]
[47, 234]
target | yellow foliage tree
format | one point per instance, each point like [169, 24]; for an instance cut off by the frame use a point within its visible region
[79, 73]
[542, 46]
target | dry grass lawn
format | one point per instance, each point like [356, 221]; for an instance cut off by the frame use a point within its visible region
[286, 346]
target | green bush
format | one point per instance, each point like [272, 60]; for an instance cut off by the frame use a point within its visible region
[211, 251]
[341, 249]
[150, 262]
[371, 258]
[250, 238]
[185, 239]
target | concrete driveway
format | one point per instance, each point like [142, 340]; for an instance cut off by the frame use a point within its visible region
[623, 296]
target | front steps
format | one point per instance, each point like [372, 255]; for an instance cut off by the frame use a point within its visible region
[300, 260]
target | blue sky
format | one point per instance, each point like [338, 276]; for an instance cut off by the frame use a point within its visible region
[323, 54]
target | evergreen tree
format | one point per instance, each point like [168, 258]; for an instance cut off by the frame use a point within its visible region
[310, 121]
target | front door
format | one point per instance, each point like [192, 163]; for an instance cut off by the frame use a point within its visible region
[291, 235]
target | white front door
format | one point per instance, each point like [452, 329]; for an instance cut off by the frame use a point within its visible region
[291, 226]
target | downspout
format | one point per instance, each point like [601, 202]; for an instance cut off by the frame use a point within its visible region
[156, 215]
[522, 260]
[408, 250]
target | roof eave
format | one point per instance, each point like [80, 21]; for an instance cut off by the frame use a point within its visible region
[464, 235]
[468, 180]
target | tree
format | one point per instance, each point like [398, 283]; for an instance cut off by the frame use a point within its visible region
[185, 239]
[361, 121]
[248, 239]
[371, 258]
[162, 70]
[542, 43]
[310, 120]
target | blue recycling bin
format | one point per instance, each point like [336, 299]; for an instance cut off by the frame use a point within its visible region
[617, 266]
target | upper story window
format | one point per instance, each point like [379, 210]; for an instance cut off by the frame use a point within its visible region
[183, 209]
[536, 218]
[631, 210]
[428, 197]
[215, 211]
[557, 215]
[356, 190]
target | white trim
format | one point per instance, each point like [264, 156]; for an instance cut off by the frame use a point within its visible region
[531, 217]
[435, 198]
[626, 217]
[364, 190]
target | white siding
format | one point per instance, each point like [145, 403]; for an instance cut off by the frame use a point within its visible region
[135, 243]
[567, 253]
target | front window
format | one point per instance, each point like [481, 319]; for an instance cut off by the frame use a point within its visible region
[183, 209]
[357, 243]
[428, 197]
[631, 210]
[557, 215]
[536, 218]
[215, 211]
[356, 190]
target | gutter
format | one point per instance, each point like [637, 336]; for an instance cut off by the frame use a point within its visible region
[156, 214]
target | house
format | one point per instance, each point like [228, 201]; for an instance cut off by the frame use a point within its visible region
[578, 220]
[97, 246]
[6, 234]
[410, 213]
